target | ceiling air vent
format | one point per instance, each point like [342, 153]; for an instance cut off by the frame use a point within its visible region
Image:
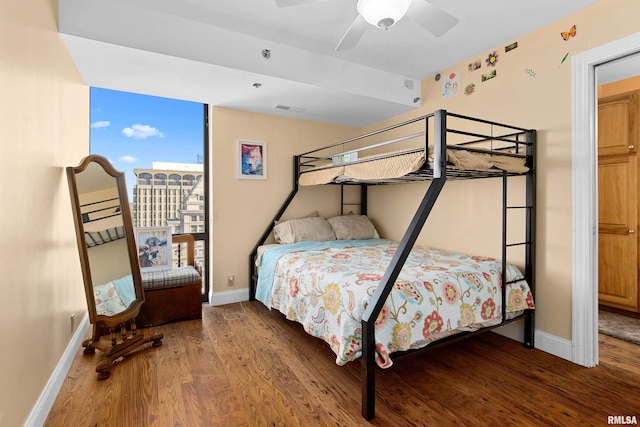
[287, 108]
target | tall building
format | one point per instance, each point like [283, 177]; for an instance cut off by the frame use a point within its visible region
[170, 194]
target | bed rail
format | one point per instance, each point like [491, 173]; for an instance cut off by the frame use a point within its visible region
[462, 133]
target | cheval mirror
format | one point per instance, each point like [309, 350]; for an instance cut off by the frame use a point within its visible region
[109, 261]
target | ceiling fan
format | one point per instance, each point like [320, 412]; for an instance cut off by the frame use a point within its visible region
[385, 13]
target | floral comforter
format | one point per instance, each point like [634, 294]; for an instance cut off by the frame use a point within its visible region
[326, 286]
[114, 297]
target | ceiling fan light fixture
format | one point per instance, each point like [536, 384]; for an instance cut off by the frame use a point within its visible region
[383, 13]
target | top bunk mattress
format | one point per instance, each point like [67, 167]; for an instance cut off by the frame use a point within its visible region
[399, 164]
[103, 230]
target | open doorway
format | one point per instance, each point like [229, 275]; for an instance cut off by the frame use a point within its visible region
[618, 197]
[584, 194]
[161, 145]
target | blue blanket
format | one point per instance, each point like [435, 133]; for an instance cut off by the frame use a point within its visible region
[271, 256]
[125, 289]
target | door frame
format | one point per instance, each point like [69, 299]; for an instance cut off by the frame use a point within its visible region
[207, 291]
[584, 174]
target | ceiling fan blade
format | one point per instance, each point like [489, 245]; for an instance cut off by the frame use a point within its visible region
[353, 34]
[287, 3]
[432, 18]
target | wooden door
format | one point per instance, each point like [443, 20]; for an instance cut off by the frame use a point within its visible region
[618, 203]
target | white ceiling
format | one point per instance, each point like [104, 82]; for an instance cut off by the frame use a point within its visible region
[210, 51]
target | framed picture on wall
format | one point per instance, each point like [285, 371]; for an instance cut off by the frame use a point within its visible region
[154, 248]
[252, 160]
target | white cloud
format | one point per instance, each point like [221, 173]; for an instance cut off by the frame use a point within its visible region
[101, 124]
[128, 159]
[139, 131]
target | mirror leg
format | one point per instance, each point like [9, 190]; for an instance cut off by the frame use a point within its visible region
[103, 368]
[156, 340]
[88, 346]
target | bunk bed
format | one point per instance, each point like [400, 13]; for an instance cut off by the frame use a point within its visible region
[102, 222]
[436, 147]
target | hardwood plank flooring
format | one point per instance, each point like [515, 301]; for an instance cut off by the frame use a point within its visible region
[262, 370]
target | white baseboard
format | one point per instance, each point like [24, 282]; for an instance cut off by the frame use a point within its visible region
[552, 344]
[40, 411]
[228, 297]
[548, 343]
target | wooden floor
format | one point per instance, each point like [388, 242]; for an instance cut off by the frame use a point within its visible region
[263, 370]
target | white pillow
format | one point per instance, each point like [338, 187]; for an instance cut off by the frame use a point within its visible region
[303, 229]
[309, 215]
[353, 227]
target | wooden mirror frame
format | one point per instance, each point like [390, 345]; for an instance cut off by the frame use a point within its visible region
[125, 320]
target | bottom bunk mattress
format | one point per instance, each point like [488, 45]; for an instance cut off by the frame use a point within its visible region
[114, 297]
[326, 287]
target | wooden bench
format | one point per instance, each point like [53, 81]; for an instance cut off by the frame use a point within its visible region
[174, 294]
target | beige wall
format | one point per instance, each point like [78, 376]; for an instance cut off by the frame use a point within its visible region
[242, 209]
[541, 102]
[44, 116]
[117, 266]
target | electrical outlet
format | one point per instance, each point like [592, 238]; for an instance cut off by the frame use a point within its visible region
[231, 280]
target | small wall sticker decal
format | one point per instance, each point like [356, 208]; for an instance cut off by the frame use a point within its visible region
[488, 76]
[475, 65]
[566, 35]
[451, 86]
[510, 47]
[564, 59]
[492, 59]
[530, 72]
[471, 87]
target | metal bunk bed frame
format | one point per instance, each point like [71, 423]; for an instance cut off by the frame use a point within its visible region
[437, 173]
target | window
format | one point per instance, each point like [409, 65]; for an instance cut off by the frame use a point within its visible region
[159, 144]
[160, 179]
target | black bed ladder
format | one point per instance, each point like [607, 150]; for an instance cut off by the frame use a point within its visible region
[529, 238]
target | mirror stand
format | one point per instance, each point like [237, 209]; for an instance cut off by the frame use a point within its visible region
[118, 346]
[109, 261]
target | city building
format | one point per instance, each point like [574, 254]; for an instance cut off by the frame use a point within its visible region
[171, 195]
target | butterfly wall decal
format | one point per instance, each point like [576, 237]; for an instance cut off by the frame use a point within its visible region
[568, 34]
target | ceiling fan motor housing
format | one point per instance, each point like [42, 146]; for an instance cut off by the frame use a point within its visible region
[383, 13]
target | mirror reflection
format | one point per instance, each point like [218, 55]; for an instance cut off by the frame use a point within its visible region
[104, 234]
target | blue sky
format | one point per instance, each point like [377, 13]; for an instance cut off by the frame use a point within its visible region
[133, 130]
